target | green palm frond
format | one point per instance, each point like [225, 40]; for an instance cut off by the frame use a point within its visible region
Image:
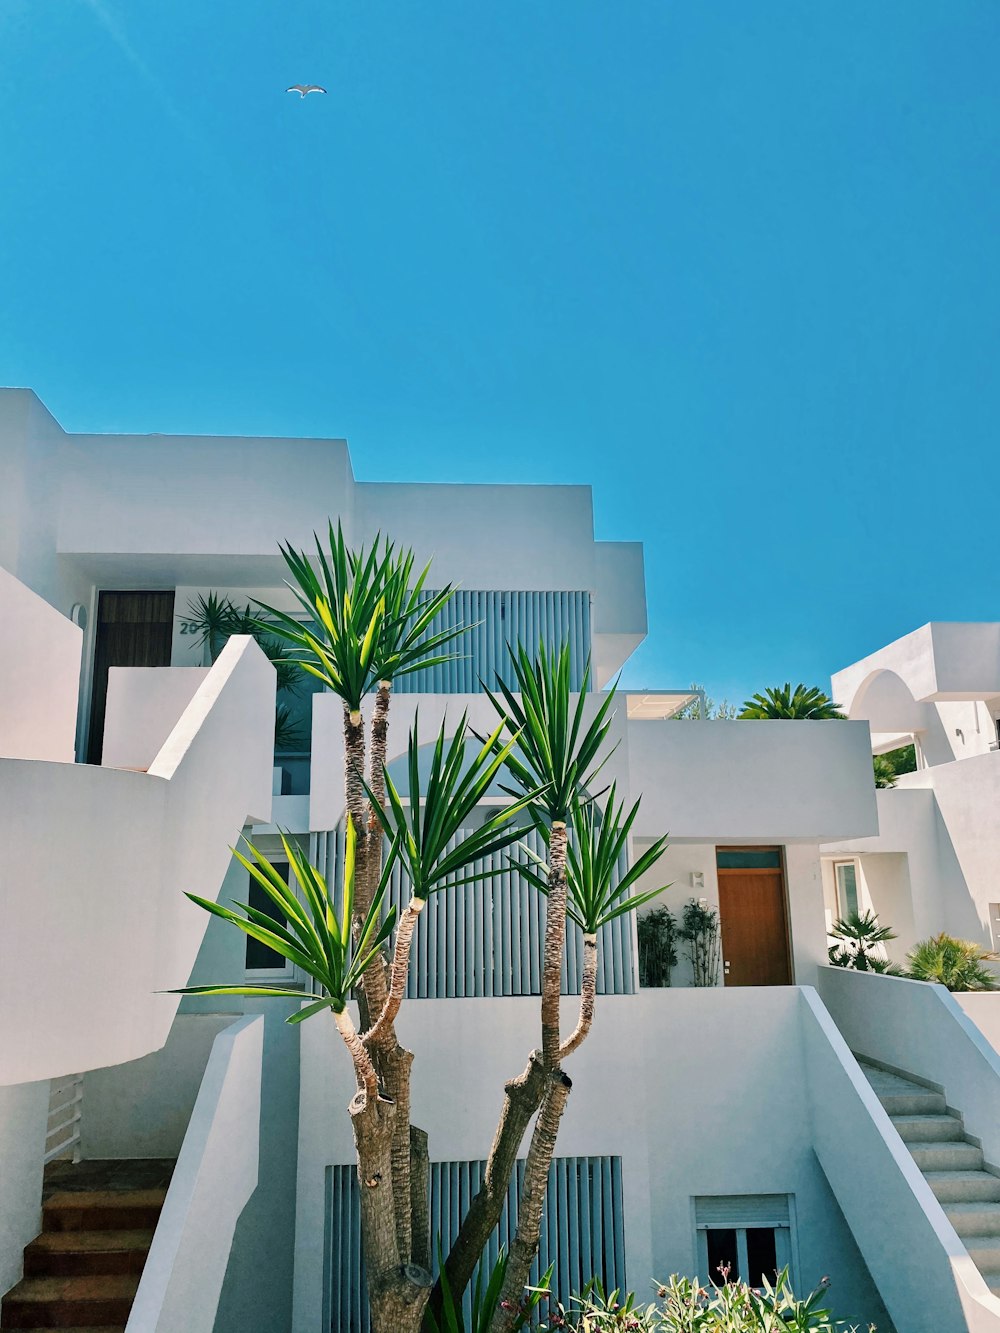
[365, 619]
[424, 830]
[955, 964]
[597, 843]
[557, 751]
[485, 1298]
[781, 701]
[310, 934]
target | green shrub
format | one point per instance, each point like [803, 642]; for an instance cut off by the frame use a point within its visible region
[860, 940]
[657, 932]
[956, 964]
[685, 1306]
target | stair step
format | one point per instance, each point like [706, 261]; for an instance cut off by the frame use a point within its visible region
[103, 1210]
[927, 1128]
[984, 1251]
[923, 1102]
[964, 1186]
[73, 1253]
[974, 1219]
[70, 1302]
[954, 1156]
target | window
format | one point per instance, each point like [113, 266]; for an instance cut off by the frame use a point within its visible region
[743, 1237]
[748, 858]
[259, 958]
[846, 873]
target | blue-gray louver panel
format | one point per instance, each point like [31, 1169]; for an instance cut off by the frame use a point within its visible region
[583, 1229]
[499, 619]
[486, 938]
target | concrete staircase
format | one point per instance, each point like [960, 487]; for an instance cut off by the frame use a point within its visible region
[950, 1163]
[81, 1273]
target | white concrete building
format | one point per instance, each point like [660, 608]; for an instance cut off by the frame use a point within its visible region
[705, 1123]
[933, 865]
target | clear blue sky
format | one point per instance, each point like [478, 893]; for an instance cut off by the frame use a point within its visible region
[735, 263]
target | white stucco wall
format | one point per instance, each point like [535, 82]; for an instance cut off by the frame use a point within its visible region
[144, 705]
[215, 1175]
[39, 676]
[699, 1092]
[23, 1117]
[142, 1108]
[103, 908]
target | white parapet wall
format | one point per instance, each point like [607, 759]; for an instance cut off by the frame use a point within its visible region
[923, 1271]
[921, 1029]
[97, 862]
[215, 1175]
[39, 676]
[699, 1092]
[23, 1117]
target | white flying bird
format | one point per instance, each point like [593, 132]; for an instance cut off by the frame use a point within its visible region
[303, 89]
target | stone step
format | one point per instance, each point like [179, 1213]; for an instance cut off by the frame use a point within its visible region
[73, 1253]
[974, 1219]
[927, 1128]
[984, 1252]
[964, 1186]
[68, 1302]
[103, 1210]
[920, 1102]
[955, 1156]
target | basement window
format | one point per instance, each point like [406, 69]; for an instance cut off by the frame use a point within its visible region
[743, 1237]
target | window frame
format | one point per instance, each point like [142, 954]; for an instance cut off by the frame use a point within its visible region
[765, 1216]
[842, 909]
[288, 972]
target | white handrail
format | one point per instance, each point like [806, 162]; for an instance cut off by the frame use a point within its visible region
[73, 1084]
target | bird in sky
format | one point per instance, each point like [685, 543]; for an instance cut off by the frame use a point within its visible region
[303, 89]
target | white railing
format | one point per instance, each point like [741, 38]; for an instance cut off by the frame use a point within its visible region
[62, 1139]
[215, 1175]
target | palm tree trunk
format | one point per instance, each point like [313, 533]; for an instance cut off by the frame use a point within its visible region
[588, 995]
[529, 1209]
[555, 941]
[522, 1098]
[397, 1291]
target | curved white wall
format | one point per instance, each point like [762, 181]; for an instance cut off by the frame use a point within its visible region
[95, 868]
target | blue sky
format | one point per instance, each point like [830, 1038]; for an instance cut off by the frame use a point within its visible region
[734, 263]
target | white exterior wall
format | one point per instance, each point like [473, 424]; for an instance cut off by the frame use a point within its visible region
[697, 1092]
[23, 1116]
[39, 676]
[102, 904]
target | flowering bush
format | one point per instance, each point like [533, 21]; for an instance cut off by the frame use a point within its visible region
[684, 1306]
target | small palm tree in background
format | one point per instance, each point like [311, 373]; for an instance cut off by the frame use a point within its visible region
[805, 702]
[861, 944]
[955, 964]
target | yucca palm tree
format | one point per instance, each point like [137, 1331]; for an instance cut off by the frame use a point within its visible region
[366, 621]
[781, 701]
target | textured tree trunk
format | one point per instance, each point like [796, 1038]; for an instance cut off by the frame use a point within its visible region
[588, 995]
[555, 941]
[397, 1289]
[420, 1196]
[522, 1098]
[400, 968]
[529, 1207]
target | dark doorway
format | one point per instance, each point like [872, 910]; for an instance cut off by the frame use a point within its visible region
[133, 629]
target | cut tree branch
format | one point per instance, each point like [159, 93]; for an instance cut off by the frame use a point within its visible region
[588, 993]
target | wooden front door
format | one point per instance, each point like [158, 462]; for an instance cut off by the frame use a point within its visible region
[753, 917]
[133, 629]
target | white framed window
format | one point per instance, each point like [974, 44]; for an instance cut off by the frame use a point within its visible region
[846, 876]
[743, 1237]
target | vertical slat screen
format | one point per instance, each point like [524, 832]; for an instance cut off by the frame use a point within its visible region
[485, 939]
[496, 619]
[583, 1229]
